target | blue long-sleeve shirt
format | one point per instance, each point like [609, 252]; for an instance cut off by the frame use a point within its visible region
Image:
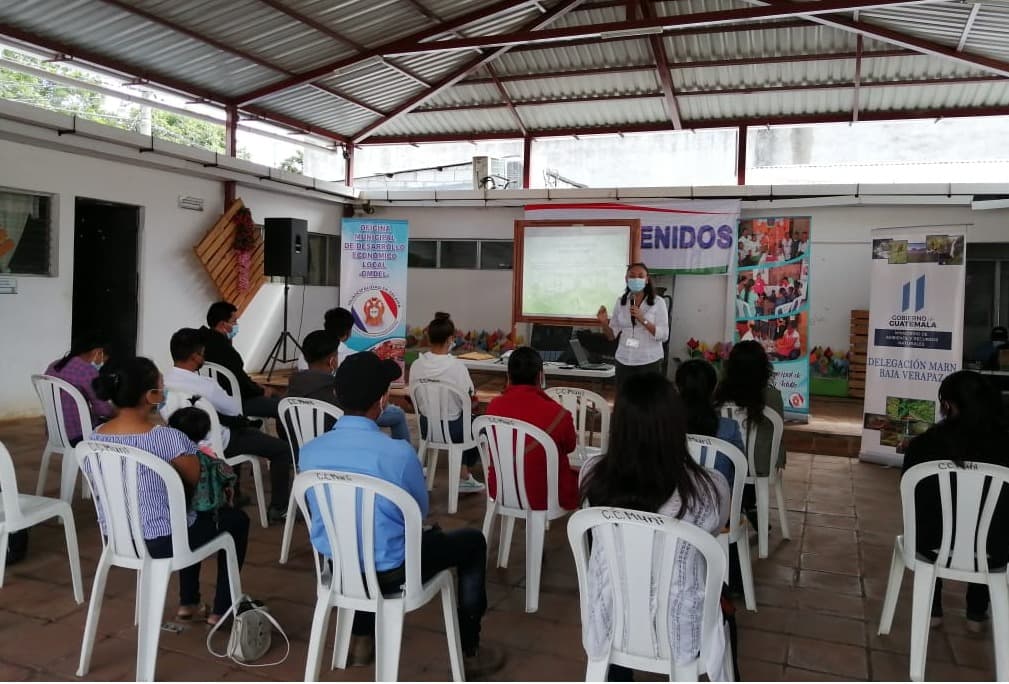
[356, 445]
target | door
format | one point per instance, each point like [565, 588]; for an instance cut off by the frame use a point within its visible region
[106, 272]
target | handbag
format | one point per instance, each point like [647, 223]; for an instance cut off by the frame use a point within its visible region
[251, 633]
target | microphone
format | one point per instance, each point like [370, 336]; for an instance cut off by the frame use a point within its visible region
[630, 298]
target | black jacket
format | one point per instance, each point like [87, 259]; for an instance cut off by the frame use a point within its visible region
[314, 384]
[218, 349]
[933, 446]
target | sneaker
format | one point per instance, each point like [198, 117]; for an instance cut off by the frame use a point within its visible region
[362, 651]
[470, 485]
[276, 515]
[487, 660]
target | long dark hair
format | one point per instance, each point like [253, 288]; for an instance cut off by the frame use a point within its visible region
[696, 380]
[746, 376]
[83, 342]
[649, 290]
[647, 460]
[125, 383]
[974, 420]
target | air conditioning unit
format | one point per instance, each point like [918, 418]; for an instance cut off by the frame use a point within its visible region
[494, 173]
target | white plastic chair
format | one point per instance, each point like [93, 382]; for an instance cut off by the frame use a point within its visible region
[346, 503]
[304, 420]
[214, 371]
[176, 398]
[578, 401]
[640, 637]
[50, 390]
[962, 554]
[113, 472]
[500, 439]
[21, 511]
[705, 450]
[745, 309]
[434, 399]
[763, 484]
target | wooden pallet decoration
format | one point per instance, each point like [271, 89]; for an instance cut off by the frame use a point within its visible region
[859, 340]
[221, 261]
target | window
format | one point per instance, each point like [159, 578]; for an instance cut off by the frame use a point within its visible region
[458, 254]
[988, 302]
[485, 255]
[495, 256]
[26, 243]
[423, 254]
[323, 262]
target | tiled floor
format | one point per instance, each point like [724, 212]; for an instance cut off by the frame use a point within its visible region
[819, 597]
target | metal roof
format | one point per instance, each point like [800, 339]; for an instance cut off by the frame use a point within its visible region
[378, 71]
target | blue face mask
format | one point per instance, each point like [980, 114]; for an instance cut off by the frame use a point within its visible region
[636, 284]
[233, 332]
[97, 366]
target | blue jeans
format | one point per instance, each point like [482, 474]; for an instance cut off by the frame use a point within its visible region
[393, 417]
[470, 456]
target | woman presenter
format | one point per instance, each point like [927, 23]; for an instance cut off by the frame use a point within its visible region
[640, 323]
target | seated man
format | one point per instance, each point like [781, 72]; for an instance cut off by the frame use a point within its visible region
[339, 323]
[356, 445]
[237, 435]
[222, 327]
[524, 400]
[323, 352]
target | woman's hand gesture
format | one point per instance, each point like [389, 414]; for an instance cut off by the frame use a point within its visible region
[602, 316]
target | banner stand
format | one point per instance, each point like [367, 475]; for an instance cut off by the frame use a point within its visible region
[373, 282]
[915, 334]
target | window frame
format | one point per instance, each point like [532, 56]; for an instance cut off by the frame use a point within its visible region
[52, 230]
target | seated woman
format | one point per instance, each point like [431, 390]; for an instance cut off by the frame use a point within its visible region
[742, 394]
[80, 367]
[136, 388]
[647, 468]
[695, 381]
[439, 364]
[789, 345]
[972, 428]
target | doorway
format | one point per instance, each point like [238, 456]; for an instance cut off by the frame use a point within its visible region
[106, 272]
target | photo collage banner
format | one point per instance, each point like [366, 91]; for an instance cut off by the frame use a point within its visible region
[915, 334]
[373, 280]
[772, 301]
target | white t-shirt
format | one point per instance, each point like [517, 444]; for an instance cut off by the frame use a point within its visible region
[180, 379]
[447, 368]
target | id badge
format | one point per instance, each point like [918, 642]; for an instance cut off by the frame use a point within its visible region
[633, 343]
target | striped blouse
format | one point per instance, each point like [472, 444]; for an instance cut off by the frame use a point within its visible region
[166, 443]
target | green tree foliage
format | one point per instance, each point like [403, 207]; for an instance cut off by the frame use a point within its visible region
[39, 92]
[295, 163]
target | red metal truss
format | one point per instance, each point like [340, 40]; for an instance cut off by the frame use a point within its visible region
[464, 71]
[858, 79]
[507, 98]
[317, 25]
[661, 59]
[644, 27]
[424, 34]
[230, 49]
[898, 38]
[700, 124]
[696, 64]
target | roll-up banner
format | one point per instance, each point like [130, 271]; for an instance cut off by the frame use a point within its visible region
[373, 280]
[772, 301]
[915, 334]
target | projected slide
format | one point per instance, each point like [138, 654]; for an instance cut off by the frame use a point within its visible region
[569, 271]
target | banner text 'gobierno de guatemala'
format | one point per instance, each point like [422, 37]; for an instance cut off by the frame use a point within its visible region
[915, 334]
[373, 280]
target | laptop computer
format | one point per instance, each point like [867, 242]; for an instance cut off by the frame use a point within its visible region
[582, 358]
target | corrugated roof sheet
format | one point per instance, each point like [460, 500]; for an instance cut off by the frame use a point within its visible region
[768, 85]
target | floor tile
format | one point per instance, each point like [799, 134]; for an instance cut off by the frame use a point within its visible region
[839, 660]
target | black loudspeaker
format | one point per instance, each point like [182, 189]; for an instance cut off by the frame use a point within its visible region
[285, 247]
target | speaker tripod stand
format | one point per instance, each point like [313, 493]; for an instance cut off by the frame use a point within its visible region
[279, 353]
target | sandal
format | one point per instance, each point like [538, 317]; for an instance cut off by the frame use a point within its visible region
[213, 619]
[188, 613]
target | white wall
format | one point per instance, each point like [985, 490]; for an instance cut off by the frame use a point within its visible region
[175, 291]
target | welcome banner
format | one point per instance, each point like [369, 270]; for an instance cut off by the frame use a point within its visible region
[772, 301]
[687, 237]
[915, 334]
[373, 281]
